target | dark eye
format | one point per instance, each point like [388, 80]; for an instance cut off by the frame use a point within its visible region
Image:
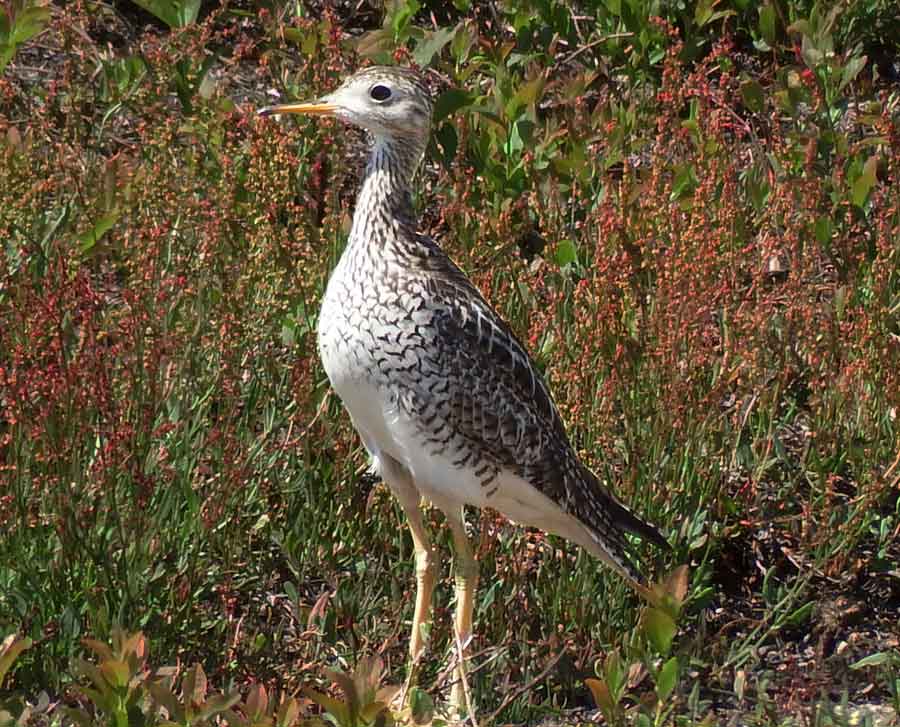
[380, 93]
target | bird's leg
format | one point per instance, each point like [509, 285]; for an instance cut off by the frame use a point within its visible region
[409, 498]
[425, 573]
[465, 575]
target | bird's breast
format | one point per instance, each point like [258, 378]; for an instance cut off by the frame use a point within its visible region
[374, 338]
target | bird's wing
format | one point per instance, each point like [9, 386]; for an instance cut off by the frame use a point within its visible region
[506, 410]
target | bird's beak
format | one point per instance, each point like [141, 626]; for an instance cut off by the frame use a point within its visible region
[314, 108]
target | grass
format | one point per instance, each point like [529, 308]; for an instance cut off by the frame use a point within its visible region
[690, 220]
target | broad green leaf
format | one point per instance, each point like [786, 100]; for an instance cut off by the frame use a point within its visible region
[26, 24]
[451, 101]
[78, 716]
[525, 96]
[432, 44]
[90, 238]
[685, 182]
[824, 229]
[615, 673]
[864, 182]
[116, 672]
[345, 682]
[851, 71]
[566, 253]
[801, 26]
[402, 14]
[421, 705]
[667, 678]
[703, 11]
[767, 25]
[29, 22]
[174, 13]
[812, 56]
[89, 670]
[659, 628]
[288, 713]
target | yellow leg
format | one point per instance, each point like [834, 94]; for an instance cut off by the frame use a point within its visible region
[408, 496]
[465, 575]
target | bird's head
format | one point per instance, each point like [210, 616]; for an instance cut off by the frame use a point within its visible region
[387, 101]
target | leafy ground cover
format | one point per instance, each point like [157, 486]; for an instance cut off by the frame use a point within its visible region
[688, 212]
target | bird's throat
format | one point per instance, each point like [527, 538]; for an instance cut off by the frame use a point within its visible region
[385, 198]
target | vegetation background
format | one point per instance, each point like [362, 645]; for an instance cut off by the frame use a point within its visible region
[690, 212]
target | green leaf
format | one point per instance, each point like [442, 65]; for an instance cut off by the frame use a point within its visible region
[667, 678]
[432, 44]
[421, 705]
[90, 238]
[851, 71]
[288, 713]
[401, 16]
[824, 229]
[812, 56]
[449, 102]
[877, 659]
[566, 253]
[685, 182]
[115, 672]
[174, 13]
[800, 615]
[767, 24]
[78, 716]
[865, 182]
[615, 672]
[26, 24]
[659, 628]
[704, 13]
[528, 94]
[520, 136]
[29, 22]
[376, 44]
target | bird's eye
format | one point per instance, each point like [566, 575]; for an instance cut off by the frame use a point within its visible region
[380, 93]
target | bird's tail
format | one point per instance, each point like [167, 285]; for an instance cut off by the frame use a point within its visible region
[609, 521]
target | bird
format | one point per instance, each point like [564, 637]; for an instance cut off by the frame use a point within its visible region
[448, 403]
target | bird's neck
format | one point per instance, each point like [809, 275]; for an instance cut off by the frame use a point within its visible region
[385, 199]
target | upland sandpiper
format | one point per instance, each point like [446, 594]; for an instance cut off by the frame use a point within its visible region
[447, 401]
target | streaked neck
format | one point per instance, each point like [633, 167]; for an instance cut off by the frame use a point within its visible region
[385, 199]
